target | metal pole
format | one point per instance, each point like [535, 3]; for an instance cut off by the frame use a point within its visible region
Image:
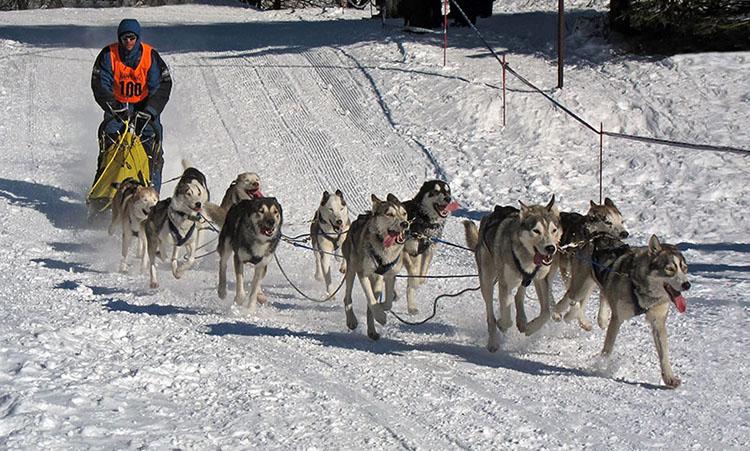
[601, 158]
[560, 41]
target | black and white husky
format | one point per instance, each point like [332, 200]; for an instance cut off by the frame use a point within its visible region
[427, 213]
[251, 233]
[327, 234]
[174, 222]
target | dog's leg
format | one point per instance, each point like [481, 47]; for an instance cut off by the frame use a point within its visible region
[487, 285]
[544, 292]
[126, 237]
[657, 317]
[390, 290]
[325, 267]
[612, 330]
[239, 277]
[426, 260]
[412, 269]
[224, 252]
[318, 262]
[258, 274]
[602, 318]
[372, 302]
[351, 318]
[520, 297]
[371, 332]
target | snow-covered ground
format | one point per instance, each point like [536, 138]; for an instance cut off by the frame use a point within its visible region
[314, 100]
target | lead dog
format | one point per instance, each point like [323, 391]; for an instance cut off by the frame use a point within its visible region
[372, 251]
[174, 222]
[130, 207]
[245, 186]
[634, 281]
[426, 212]
[251, 234]
[577, 231]
[514, 249]
[327, 234]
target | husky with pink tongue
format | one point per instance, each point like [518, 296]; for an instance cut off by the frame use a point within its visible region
[633, 282]
[372, 251]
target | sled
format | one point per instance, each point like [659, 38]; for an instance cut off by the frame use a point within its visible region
[124, 157]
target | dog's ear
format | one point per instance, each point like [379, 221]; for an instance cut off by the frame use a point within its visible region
[325, 198]
[341, 196]
[393, 199]
[375, 202]
[551, 203]
[654, 245]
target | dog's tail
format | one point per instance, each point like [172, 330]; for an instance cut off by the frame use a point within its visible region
[217, 214]
[472, 234]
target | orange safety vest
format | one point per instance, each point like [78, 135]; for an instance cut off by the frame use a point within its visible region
[131, 85]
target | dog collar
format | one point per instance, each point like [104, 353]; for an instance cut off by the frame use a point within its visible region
[527, 277]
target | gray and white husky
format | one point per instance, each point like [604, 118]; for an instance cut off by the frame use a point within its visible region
[633, 281]
[251, 233]
[372, 251]
[578, 230]
[427, 212]
[245, 186]
[513, 249]
[174, 222]
[327, 234]
[130, 207]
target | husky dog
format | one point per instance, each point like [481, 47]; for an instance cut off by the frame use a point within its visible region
[327, 233]
[174, 221]
[427, 212]
[130, 208]
[245, 186]
[372, 251]
[577, 231]
[634, 281]
[515, 248]
[251, 232]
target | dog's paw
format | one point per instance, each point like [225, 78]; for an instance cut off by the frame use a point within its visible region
[373, 335]
[671, 381]
[378, 313]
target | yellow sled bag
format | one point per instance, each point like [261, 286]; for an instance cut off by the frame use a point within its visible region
[122, 159]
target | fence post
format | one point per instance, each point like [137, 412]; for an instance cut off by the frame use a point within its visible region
[601, 152]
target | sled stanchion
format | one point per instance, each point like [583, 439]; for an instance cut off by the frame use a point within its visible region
[503, 89]
[601, 157]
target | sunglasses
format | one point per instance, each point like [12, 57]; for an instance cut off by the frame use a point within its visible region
[128, 37]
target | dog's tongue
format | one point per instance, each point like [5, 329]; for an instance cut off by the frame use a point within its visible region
[678, 299]
[451, 207]
[680, 303]
[390, 239]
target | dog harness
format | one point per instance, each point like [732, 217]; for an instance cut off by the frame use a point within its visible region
[179, 239]
[527, 277]
[383, 268]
